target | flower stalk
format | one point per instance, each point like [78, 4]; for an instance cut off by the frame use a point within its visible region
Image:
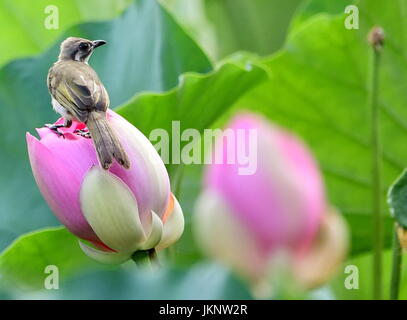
[396, 266]
[141, 258]
[146, 258]
[376, 37]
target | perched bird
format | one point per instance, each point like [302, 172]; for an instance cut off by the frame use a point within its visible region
[78, 94]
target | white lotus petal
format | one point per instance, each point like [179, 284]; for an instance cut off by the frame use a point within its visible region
[103, 256]
[326, 256]
[111, 209]
[173, 227]
[155, 234]
[223, 237]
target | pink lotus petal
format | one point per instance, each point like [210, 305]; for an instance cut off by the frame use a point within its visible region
[74, 149]
[147, 177]
[59, 182]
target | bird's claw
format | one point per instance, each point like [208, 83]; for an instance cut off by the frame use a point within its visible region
[82, 133]
[54, 128]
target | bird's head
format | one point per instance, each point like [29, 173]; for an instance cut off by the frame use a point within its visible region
[78, 49]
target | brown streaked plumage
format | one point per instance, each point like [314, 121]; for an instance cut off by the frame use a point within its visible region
[78, 94]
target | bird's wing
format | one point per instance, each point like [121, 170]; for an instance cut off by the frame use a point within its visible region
[80, 91]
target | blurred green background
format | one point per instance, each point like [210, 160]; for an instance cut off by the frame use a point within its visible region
[199, 61]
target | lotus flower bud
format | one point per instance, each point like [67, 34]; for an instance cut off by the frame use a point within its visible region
[247, 221]
[114, 212]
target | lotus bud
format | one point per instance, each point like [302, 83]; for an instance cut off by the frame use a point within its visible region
[114, 212]
[251, 221]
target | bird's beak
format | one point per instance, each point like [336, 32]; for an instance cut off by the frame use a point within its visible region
[98, 43]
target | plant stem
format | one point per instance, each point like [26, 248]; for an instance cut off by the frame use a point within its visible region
[396, 266]
[376, 40]
[140, 258]
[146, 258]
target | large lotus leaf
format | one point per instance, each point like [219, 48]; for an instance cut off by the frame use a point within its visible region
[355, 280]
[257, 25]
[23, 274]
[25, 27]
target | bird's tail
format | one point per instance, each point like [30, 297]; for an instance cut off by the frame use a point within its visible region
[108, 146]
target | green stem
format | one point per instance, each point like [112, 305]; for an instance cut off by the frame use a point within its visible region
[141, 258]
[146, 258]
[396, 267]
[376, 171]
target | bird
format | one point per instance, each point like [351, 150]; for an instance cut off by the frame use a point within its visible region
[78, 94]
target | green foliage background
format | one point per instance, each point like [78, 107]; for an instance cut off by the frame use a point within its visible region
[295, 63]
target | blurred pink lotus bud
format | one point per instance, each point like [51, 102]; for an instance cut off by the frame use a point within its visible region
[248, 220]
[117, 211]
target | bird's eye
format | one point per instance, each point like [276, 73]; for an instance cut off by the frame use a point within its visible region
[84, 46]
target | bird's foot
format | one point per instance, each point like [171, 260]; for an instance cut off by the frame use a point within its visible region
[83, 133]
[54, 128]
